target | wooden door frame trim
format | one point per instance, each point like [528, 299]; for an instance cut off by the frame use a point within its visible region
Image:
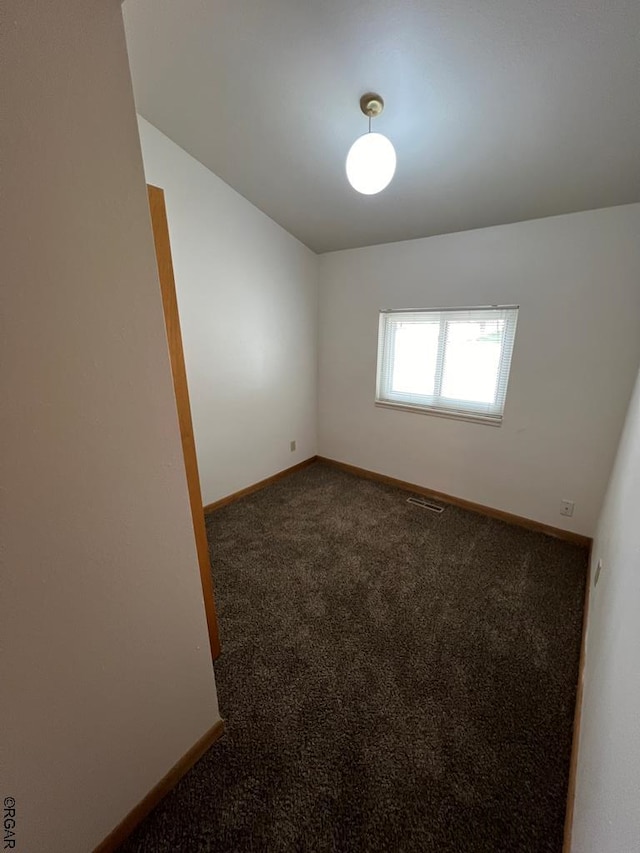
[577, 719]
[162, 243]
[126, 826]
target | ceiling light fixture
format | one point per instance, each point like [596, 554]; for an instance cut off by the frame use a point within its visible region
[371, 161]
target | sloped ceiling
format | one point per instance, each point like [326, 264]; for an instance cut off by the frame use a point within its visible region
[500, 110]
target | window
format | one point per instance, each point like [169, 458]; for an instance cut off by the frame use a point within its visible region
[452, 362]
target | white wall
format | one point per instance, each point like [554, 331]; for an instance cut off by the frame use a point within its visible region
[105, 665]
[607, 812]
[247, 296]
[576, 352]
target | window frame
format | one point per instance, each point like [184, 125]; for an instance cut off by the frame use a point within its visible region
[435, 404]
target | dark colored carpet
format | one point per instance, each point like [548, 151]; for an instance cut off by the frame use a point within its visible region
[392, 680]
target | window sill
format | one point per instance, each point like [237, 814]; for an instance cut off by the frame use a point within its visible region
[487, 420]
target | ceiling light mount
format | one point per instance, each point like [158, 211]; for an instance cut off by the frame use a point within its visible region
[371, 104]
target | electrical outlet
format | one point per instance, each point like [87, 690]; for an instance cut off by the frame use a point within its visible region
[292, 446]
[598, 570]
[567, 508]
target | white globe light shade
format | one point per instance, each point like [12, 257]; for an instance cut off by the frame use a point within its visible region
[371, 163]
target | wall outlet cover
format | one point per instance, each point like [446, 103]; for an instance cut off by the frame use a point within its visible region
[567, 508]
[598, 570]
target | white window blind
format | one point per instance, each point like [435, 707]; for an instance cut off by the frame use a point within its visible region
[452, 361]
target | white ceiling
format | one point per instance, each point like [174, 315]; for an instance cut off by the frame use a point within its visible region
[500, 110]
